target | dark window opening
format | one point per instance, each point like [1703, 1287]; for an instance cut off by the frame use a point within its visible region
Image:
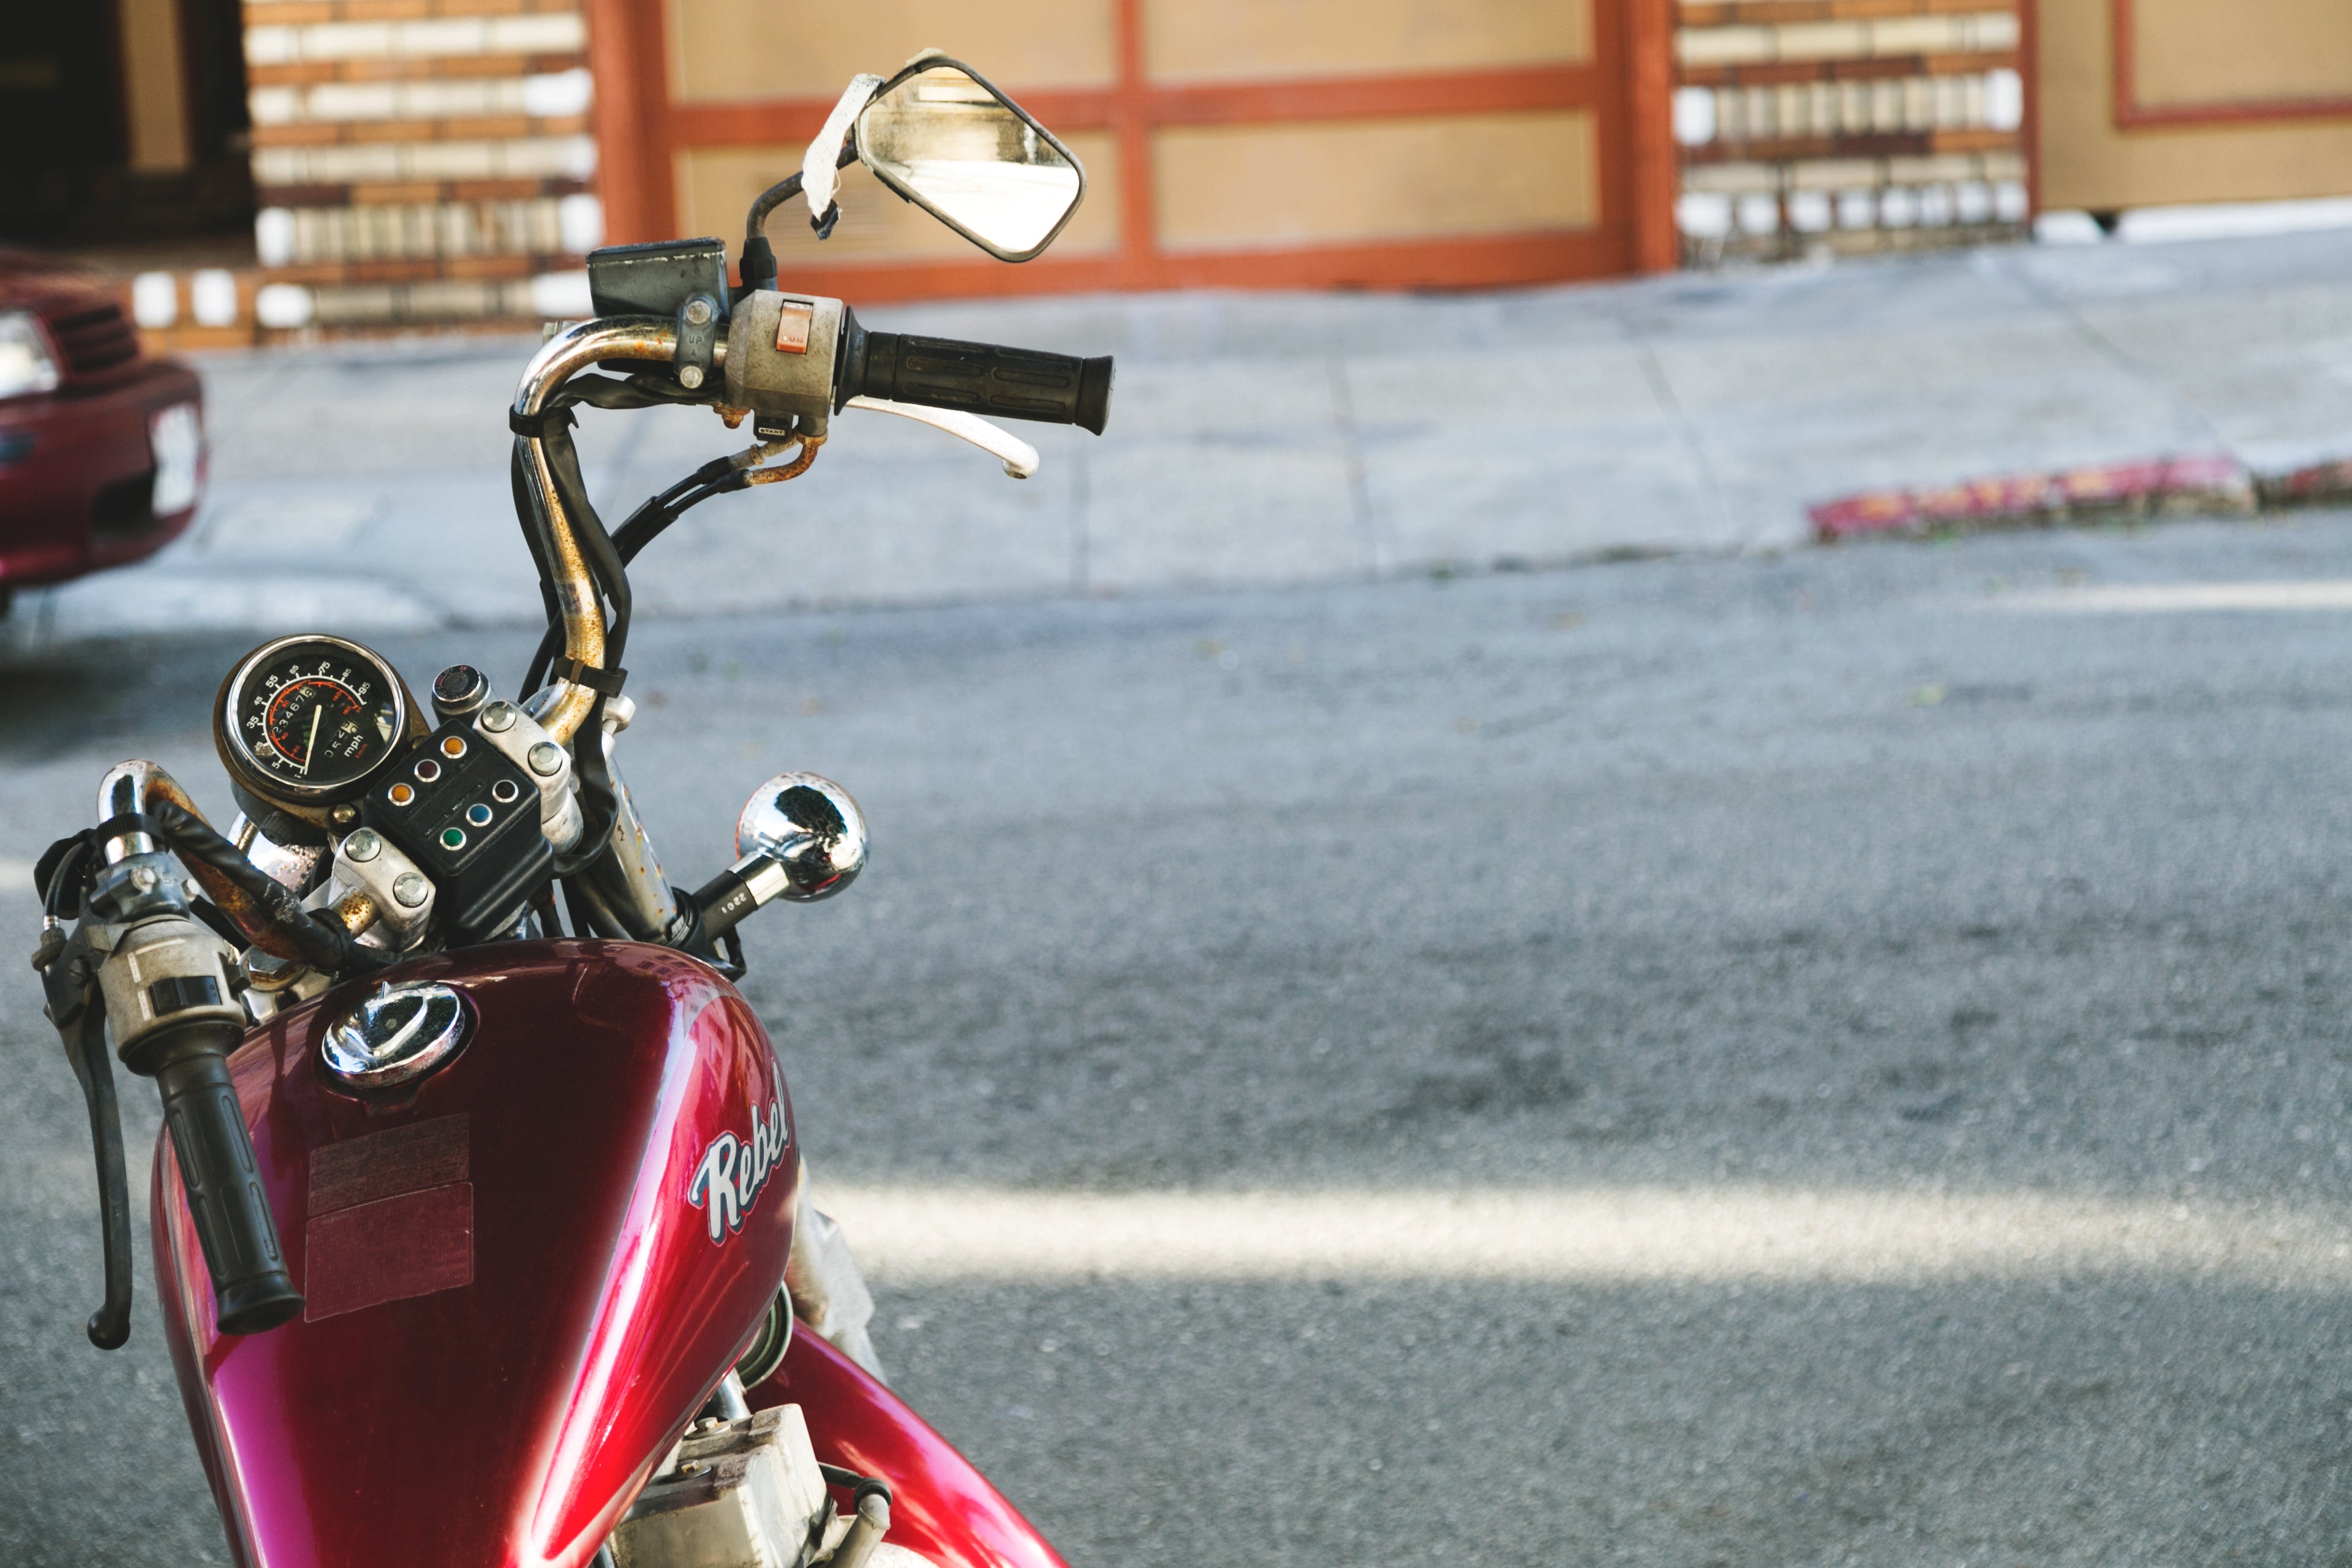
[66, 136]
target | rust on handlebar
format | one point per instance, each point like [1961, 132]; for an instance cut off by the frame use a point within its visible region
[791, 470]
[561, 357]
[151, 784]
[357, 911]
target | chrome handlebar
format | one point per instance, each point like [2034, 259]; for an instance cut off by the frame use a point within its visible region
[561, 358]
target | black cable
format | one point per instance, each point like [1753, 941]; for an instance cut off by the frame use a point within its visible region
[608, 579]
[318, 943]
[599, 806]
[596, 392]
[519, 483]
[855, 1484]
[595, 544]
[590, 916]
[575, 905]
[543, 904]
[550, 643]
[608, 570]
[646, 525]
[671, 500]
[62, 871]
[718, 476]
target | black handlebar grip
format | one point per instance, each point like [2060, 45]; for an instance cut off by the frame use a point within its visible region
[251, 1290]
[980, 378]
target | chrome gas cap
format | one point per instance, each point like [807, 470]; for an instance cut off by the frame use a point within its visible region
[397, 1036]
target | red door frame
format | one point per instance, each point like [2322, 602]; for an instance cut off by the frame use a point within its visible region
[1626, 85]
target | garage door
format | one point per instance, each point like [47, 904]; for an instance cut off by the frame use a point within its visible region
[1247, 144]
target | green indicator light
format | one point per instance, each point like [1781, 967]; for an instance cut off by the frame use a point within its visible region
[453, 838]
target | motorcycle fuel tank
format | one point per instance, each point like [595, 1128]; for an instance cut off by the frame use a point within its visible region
[520, 1282]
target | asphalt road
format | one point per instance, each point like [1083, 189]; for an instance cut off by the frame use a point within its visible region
[1869, 953]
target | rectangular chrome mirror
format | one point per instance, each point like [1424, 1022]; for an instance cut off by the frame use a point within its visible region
[941, 136]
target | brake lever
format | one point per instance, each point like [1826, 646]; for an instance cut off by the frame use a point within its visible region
[69, 986]
[1019, 457]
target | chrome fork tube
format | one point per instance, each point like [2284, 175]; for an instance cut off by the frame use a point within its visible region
[629, 878]
[625, 885]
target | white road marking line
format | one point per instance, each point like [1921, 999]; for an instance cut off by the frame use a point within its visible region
[1602, 1236]
[2158, 598]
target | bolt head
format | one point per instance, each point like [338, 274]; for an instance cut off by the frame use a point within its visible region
[698, 311]
[189, 890]
[546, 759]
[690, 377]
[363, 846]
[499, 718]
[410, 889]
[143, 878]
[344, 815]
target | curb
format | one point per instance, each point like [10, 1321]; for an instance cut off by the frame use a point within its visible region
[2210, 482]
[2322, 484]
[2205, 482]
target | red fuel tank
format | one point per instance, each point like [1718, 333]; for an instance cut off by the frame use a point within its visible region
[517, 1290]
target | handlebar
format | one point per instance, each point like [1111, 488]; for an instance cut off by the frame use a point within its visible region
[251, 1289]
[978, 378]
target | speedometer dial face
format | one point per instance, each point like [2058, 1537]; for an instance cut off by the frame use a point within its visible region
[313, 717]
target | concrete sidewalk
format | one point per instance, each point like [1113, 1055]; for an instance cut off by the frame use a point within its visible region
[1259, 439]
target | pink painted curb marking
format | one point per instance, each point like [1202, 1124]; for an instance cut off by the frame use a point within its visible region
[2202, 481]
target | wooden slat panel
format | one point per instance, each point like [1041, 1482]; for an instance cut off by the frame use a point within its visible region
[1877, 68]
[1772, 13]
[417, 67]
[1884, 144]
[1225, 187]
[1187, 40]
[730, 50]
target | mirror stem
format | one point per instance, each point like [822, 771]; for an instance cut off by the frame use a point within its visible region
[758, 268]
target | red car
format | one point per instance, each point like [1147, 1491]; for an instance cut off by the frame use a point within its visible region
[101, 449]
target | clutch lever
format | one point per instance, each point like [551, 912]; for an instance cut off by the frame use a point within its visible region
[1019, 457]
[69, 984]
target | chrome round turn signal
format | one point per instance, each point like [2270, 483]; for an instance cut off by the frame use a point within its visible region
[397, 1036]
[812, 831]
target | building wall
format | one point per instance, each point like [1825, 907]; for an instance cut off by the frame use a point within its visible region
[1851, 125]
[418, 161]
[2149, 103]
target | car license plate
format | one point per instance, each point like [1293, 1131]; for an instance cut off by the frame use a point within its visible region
[177, 441]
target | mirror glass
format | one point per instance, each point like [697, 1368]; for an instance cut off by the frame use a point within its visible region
[947, 141]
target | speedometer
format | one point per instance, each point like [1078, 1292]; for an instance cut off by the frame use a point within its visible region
[310, 718]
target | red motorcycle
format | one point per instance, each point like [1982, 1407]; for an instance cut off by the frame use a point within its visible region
[480, 1226]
